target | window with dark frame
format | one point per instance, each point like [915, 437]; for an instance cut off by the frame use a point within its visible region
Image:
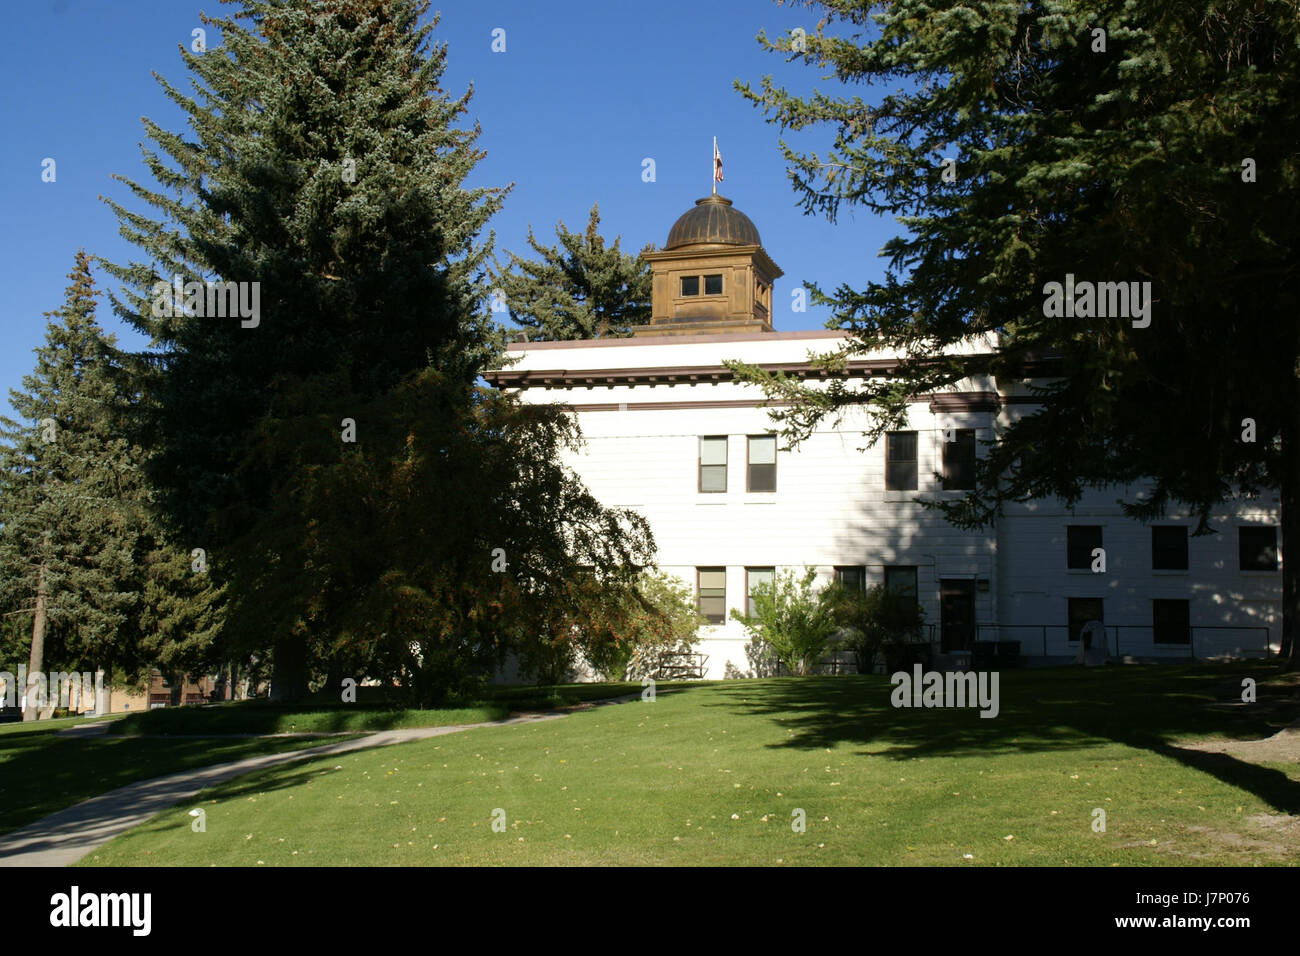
[1080, 541]
[901, 579]
[713, 285]
[1257, 548]
[753, 578]
[713, 463]
[959, 460]
[690, 285]
[1171, 621]
[900, 461]
[851, 578]
[711, 586]
[762, 463]
[1168, 548]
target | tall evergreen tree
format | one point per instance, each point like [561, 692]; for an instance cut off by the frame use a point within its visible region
[326, 173]
[581, 288]
[309, 448]
[78, 541]
[1110, 141]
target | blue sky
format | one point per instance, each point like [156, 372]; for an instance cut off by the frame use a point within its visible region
[582, 94]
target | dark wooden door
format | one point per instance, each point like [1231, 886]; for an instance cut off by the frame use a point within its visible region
[956, 614]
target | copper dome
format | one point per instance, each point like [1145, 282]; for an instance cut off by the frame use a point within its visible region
[713, 221]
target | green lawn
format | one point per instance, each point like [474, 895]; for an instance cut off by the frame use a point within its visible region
[714, 774]
[41, 772]
[58, 723]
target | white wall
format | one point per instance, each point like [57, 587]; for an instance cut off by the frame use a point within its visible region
[831, 507]
[1034, 583]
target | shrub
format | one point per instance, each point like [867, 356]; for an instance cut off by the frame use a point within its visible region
[622, 628]
[794, 621]
[878, 621]
[656, 619]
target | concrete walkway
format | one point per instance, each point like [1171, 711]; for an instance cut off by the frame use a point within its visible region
[68, 835]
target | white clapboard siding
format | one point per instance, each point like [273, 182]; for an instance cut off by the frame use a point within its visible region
[831, 507]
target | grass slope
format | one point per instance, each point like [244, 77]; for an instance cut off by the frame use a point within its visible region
[715, 774]
[41, 772]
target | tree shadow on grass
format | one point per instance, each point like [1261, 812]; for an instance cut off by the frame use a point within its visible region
[43, 774]
[283, 776]
[1146, 707]
[320, 715]
[265, 718]
[255, 784]
[1272, 786]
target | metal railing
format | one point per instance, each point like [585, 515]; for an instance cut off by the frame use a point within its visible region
[1053, 640]
[842, 659]
[1202, 641]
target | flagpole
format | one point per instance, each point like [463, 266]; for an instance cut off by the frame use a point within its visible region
[713, 164]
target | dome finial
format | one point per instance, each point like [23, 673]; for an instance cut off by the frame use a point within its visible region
[713, 221]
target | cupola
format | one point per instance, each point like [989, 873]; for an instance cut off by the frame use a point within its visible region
[712, 274]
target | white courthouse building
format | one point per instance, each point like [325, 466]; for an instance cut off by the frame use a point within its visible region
[671, 434]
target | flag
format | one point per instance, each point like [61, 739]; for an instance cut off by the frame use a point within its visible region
[717, 162]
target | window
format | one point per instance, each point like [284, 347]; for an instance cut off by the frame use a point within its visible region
[690, 285]
[851, 579]
[1080, 541]
[1257, 548]
[959, 460]
[713, 285]
[901, 580]
[762, 463]
[1081, 611]
[900, 461]
[713, 463]
[753, 578]
[1169, 548]
[711, 583]
[1170, 622]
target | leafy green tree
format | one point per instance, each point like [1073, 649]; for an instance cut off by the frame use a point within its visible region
[656, 617]
[664, 623]
[581, 288]
[324, 174]
[474, 536]
[793, 619]
[86, 565]
[875, 619]
[1021, 143]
